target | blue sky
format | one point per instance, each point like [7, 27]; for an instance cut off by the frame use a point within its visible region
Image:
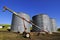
[31, 7]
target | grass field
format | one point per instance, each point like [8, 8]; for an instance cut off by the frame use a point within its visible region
[5, 28]
[5, 35]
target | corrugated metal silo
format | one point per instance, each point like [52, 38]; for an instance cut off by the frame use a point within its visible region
[18, 24]
[41, 20]
[53, 25]
[46, 23]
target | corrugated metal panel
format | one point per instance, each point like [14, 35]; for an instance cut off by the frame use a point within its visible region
[46, 23]
[37, 19]
[17, 23]
[53, 25]
[41, 20]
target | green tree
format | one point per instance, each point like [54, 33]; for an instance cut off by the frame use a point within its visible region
[58, 29]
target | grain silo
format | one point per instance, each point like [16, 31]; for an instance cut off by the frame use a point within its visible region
[18, 24]
[53, 25]
[42, 21]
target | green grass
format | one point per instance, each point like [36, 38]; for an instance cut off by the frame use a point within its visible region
[5, 35]
[6, 26]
